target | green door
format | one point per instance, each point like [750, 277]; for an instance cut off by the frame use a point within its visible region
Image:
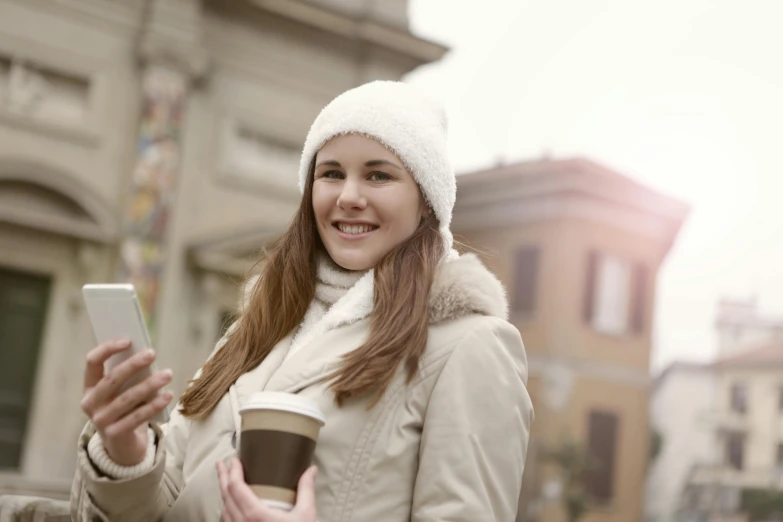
[23, 300]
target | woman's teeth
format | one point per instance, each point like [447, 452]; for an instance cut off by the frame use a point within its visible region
[355, 229]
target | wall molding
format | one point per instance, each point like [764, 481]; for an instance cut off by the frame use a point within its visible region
[40, 63]
[540, 365]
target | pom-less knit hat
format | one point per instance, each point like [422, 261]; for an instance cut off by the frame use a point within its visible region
[407, 123]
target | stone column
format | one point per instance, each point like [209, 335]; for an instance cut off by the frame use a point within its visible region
[171, 59]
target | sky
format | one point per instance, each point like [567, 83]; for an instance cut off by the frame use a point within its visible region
[685, 96]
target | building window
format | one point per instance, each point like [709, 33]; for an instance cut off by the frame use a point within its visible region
[616, 294]
[735, 450]
[602, 444]
[523, 297]
[739, 399]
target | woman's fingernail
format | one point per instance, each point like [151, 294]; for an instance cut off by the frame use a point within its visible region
[122, 343]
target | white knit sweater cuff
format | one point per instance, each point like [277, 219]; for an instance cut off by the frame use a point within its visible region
[111, 469]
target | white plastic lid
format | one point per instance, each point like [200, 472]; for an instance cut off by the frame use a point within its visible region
[281, 401]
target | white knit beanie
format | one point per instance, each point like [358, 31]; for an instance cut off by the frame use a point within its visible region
[407, 123]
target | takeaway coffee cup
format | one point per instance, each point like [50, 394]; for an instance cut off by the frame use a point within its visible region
[279, 433]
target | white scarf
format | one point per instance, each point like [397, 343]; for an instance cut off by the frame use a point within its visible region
[341, 297]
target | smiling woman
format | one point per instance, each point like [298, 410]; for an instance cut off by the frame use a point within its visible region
[365, 202]
[364, 307]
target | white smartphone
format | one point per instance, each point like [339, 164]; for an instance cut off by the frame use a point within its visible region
[115, 312]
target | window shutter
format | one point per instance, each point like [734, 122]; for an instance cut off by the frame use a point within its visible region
[525, 280]
[639, 298]
[590, 286]
[602, 445]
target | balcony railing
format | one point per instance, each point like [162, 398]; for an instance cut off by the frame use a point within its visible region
[709, 474]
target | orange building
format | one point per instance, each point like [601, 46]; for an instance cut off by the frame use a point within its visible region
[579, 248]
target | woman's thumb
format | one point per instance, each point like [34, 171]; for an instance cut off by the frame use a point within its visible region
[305, 493]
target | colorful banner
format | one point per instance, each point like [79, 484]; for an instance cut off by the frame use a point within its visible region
[153, 188]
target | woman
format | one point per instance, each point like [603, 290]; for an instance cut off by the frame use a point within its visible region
[362, 306]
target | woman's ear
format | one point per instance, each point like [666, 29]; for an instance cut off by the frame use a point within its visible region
[425, 209]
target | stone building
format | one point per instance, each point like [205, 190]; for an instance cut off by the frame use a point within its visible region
[153, 141]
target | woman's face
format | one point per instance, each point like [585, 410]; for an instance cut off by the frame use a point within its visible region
[365, 201]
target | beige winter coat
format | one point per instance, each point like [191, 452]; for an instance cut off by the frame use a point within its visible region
[449, 446]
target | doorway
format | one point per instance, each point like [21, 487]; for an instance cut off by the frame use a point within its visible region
[23, 304]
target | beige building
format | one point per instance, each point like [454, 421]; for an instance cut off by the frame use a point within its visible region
[156, 141]
[720, 422]
[579, 248]
[746, 424]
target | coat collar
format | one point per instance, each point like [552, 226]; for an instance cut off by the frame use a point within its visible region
[461, 286]
[464, 286]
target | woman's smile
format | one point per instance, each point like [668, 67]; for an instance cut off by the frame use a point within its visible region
[354, 231]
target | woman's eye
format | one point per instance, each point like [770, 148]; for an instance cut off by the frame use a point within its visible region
[332, 174]
[379, 176]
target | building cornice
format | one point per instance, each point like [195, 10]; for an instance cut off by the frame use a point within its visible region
[116, 16]
[354, 28]
[232, 253]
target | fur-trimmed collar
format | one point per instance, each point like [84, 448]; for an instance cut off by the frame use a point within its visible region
[462, 286]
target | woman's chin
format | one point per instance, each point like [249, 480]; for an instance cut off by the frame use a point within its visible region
[354, 263]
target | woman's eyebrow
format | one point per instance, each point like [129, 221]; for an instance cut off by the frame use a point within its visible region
[371, 163]
[330, 163]
[375, 163]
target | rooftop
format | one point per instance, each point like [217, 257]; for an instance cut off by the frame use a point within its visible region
[577, 187]
[769, 353]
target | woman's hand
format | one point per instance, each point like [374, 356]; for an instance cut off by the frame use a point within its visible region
[122, 418]
[240, 504]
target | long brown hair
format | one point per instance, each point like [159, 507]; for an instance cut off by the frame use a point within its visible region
[280, 297]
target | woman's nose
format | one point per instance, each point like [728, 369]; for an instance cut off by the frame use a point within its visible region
[351, 196]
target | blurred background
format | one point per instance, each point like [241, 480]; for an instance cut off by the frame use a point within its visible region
[619, 169]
